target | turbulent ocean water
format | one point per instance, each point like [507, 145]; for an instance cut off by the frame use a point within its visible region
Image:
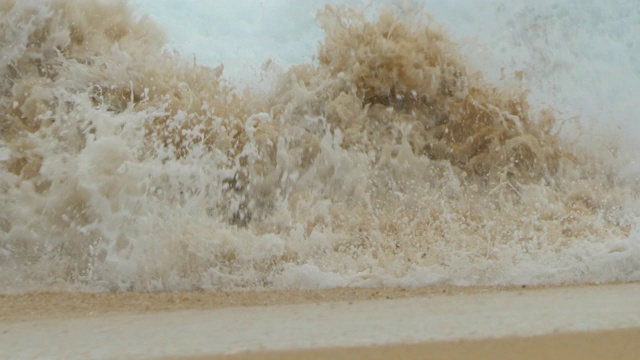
[286, 144]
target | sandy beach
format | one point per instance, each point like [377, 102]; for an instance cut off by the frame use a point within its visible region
[586, 322]
[615, 344]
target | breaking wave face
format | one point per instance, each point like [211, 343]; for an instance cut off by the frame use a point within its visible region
[124, 167]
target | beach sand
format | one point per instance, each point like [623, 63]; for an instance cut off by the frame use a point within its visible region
[441, 322]
[615, 344]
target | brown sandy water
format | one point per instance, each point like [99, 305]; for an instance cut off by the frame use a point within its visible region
[128, 171]
[386, 162]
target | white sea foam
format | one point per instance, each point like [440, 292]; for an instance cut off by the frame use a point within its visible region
[387, 160]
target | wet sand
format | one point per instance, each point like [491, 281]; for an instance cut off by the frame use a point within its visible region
[586, 322]
[598, 345]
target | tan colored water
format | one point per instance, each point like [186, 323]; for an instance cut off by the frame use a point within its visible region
[124, 167]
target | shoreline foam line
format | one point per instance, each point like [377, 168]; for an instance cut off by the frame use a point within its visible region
[327, 325]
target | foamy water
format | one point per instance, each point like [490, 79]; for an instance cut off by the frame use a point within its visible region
[388, 158]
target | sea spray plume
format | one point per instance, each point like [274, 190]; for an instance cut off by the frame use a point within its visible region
[99, 48]
[99, 119]
[61, 54]
[410, 160]
[405, 71]
[129, 168]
